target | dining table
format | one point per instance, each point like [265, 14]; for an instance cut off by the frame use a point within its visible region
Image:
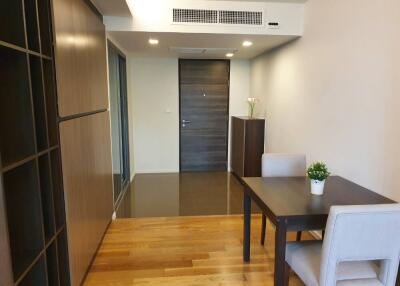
[290, 206]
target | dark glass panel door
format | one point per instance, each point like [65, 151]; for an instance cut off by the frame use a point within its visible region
[119, 119]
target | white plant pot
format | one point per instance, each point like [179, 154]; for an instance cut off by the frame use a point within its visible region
[317, 187]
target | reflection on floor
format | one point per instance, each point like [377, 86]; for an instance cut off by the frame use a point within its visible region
[184, 251]
[182, 194]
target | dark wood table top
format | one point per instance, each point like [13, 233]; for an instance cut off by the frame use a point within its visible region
[291, 196]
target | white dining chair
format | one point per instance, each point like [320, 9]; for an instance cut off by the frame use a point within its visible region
[281, 165]
[361, 248]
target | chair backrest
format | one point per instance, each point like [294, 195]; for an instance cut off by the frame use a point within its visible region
[283, 165]
[362, 233]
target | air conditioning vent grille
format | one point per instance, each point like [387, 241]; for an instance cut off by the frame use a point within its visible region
[241, 17]
[221, 17]
[195, 16]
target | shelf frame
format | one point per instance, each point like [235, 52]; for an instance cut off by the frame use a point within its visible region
[56, 242]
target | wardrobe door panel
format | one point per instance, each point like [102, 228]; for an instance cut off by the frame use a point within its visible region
[87, 177]
[81, 62]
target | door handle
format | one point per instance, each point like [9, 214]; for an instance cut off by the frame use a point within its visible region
[184, 122]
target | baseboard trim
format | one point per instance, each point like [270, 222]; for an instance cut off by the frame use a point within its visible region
[155, 171]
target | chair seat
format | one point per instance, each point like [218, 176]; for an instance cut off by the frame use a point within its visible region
[360, 282]
[305, 259]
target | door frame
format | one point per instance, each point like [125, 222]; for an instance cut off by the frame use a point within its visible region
[228, 102]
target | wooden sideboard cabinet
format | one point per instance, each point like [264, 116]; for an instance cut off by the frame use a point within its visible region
[247, 146]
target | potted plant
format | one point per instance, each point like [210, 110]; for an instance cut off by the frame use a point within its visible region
[318, 173]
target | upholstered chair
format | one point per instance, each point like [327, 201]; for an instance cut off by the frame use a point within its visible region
[361, 248]
[281, 165]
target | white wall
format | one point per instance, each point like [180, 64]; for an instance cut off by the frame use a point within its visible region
[239, 91]
[154, 90]
[335, 93]
[154, 96]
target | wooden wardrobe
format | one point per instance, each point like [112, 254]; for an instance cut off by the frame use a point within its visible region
[85, 141]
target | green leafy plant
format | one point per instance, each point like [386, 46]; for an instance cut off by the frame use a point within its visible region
[318, 171]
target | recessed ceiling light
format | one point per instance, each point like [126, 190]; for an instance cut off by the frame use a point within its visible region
[247, 43]
[153, 41]
[229, 55]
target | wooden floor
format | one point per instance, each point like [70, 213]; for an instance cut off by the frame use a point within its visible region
[190, 251]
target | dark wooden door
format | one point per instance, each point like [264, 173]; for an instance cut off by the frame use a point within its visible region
[204, 101]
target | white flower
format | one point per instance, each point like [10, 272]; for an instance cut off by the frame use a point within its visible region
[252, 99]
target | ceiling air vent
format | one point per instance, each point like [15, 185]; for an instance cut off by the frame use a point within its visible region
[218, 17]
[241, 17]
[195, 16]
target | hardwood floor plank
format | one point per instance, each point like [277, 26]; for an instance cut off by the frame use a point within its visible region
[177, 251]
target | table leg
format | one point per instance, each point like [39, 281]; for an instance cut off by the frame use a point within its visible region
[280, 253]
[263, 228]
[246, 227]
[298, 236]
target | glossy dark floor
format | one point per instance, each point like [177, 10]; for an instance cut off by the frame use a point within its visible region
[182, 194]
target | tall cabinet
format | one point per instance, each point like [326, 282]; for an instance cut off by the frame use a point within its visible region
[247, 146]
[32, 216]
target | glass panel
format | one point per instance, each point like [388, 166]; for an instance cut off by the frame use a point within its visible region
[16, 119]
[47, 197]
[119, 119]
[51, 103]
[38, 102]
[115, 112]
[124, 121]
[52, 265]
[5, 264]
[32, 25]
[12, 23]
[36, 276]
[58, 195]
[24, 216]
[45, 27]
[63, 267]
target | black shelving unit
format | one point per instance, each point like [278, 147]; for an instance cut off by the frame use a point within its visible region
[29, 146]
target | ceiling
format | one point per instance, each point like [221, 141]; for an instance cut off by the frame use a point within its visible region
[282, 1]
[216, 45]
[120, 7]
[188, 45]
[117, 8]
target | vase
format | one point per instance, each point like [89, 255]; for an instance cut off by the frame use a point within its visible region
[317, 187]
[251, 111]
